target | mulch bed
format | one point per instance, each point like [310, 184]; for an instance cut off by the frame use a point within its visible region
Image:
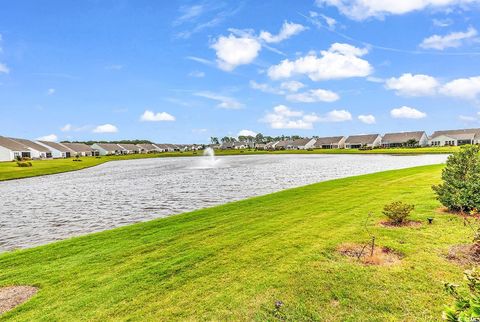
[12, 296]
[363, 254]
[464, 254]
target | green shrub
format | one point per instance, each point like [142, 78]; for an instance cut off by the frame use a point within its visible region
[397, 212]
[460, 190]
[467, 302]
[24, 164]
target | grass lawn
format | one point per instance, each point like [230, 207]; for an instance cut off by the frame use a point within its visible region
[232, 262]
[10, 170]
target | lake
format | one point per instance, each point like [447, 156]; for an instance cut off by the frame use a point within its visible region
[40, 210]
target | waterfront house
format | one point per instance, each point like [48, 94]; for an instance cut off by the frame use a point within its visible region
[109, 149]
[58, 150]
[226, 146]
[11, 150]
[260, 146]
[130, 148]
[271, 145]
[331, 142]
[363, 141]
[37, 151]
[455, 137]
[238, 145]
[282, 145]
[405, 139]
[81, 149]
[148, 148]
[300, 144]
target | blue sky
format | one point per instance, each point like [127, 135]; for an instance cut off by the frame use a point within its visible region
[184, 71]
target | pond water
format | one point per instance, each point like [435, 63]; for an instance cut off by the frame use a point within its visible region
[40, 210]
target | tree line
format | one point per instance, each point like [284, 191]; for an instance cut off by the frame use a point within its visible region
[259, 138]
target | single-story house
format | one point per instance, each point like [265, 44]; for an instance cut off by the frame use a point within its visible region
[238, 145]
[301, 144]
[130, 148]
[148, 148]
[282, 145]
[109, 149]
[226, 146]
[403, 139]
[331, 142]
[260, 146]
[455, 137]
[271, 145]
[37, 151]
[11, 150]
[363, 141]
[81, 149]
[58, 150]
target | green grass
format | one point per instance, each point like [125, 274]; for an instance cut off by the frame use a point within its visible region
[232, 262]
[10, 170]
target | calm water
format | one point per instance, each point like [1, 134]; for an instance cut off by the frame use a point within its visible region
[44, 209]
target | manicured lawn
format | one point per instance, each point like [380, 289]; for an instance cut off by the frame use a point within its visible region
[10, 170]
[232, 262]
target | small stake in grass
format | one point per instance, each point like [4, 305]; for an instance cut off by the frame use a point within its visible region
[430, 220]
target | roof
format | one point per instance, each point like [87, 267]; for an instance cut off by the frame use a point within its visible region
[475, 132]
[328, 140]
[12, 145]
[299, 142]
[282, 144]
[129, 146]
[148, 146]
[78, 147]
[239, 143]
[402, 137]
[109, 146]
[362, 139]
[32, 145]
[462, 136]
[162, 146]
[56, 146]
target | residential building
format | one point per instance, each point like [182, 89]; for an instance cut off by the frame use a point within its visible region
[455, 137]
[109, 149]
[300, 144]
[130, 148]
[58, 150]
[331, 142]
[37, 151]
[404, 139]
[282, 145]
[81, 149]
[11, 150]
[363, 141]
[148, 148]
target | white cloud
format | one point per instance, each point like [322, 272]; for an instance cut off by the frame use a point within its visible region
[282, 117]
[51, 91]
[288, 30]
[233, 51]
[66, 128]
[150, 116]
[367, 119]
[413, 85]
[197, 74]
[313, 96]
[363, 9]
[452, 40]
[292, 86]
[466, 88]
[225, 102]
[406, 112]
[266, 88]
[49, 138]
[246, 133]
[4, 69]
[442, 22]
[339, 61]
[465, 118]
[189, 13]
[105, 128]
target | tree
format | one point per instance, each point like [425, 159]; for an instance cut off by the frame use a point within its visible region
[259, 138]
[225, 139]
[467, 302]
[214, 140]
[460, 189]
[411, 143]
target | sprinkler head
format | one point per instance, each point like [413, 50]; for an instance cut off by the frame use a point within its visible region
[430, 220]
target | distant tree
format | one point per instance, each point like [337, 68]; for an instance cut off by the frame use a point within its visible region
[259, 138]
[411, 143]
[214, 140]
[242, 138]
[225, 139]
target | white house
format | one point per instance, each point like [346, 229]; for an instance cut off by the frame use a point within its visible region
[238, 145]
[81, 149]
[37, 151]
[363, 141]
[148, 148]
[331, 142]
[402, 139]
[300, 144]
[130, 148]
[58, 150]
[108, 149]
[10, 150]
[455, 137]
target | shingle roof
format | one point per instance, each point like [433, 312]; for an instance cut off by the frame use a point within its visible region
[282, 144]
[402, 137]
[475, 132]
[299, 142]
[129, 146]
[56, 146]
[12, 145]
[362, 139]
[110, 146]
[148, 146]
[328, 140]
[78, 147]
[32, 145]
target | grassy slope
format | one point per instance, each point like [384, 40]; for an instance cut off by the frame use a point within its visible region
[10, 170]
[232, 262]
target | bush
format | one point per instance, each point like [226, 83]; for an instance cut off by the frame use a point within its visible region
[460, 190]
[467, 303]
[24, 164]
[397, 212]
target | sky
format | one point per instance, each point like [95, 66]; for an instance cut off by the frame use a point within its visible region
[184, 71]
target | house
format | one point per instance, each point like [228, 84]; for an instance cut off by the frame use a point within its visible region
[455, 137]
[37, 151]
[405, 139]
[130, 148]
[301, 144]
[271, 145]
[11, 150]
[363, 141]
[109, 149]
[148, 148]
[282, 145]
[226, 145]
[58, 150]
[260, 146]
[332, 142]
[238, 145]
[81, 149]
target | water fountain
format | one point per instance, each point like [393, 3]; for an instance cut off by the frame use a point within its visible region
[208, 160]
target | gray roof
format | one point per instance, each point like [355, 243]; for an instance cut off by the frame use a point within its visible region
[402, 137]
[463, 134]
[12, 145]
[78, 147]
[362, 139]
[110, 146]
[129, 146]
[299, 142]
[282, 144]
[32, 145]
[56, 146]
[148, 146]
[328, 140]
